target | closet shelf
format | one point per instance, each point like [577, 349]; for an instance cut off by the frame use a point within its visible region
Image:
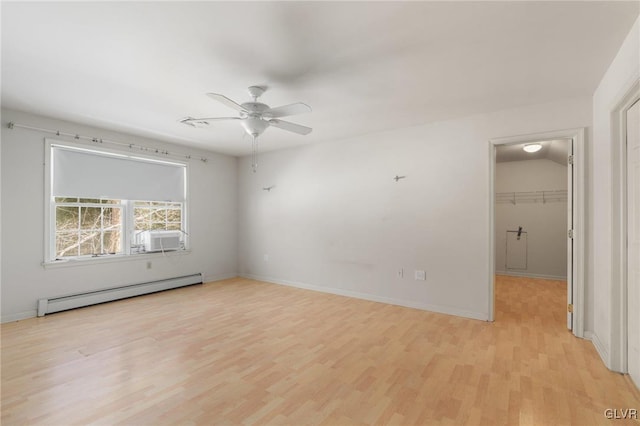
[531, 197]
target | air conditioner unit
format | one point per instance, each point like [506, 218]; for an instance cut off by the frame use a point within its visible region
[161, 240]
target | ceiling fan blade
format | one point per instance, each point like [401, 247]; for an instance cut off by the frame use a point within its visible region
[193, 122]
[218, 118]
[199, 122]
[291, 127]
[226, 101]
[291, 109]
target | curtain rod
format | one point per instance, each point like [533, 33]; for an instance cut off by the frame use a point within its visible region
[133, 146]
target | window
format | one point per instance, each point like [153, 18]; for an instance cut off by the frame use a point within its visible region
[87, 227]
[103, 204]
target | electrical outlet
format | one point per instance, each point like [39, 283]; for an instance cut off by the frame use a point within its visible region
[400, 273]
[421, 275]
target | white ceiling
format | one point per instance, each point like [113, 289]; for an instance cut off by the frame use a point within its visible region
[138, 67]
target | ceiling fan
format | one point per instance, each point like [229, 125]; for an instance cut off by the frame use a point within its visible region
[255, 116]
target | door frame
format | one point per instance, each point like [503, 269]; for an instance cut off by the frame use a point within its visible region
[619, 283]
[578, 190]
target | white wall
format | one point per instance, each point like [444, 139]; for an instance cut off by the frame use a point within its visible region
[336, 220]
[545, 224]
[212, 215]
[621, 75]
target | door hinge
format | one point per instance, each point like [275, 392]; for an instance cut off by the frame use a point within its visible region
[571, 233]
[570, 160]
[570, 308]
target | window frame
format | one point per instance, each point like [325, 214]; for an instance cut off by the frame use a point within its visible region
[80, 205]
[127, 206]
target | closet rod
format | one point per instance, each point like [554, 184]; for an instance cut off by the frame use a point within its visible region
[532, 196]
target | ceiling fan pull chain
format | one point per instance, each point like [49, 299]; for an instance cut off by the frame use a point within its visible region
[254, 154]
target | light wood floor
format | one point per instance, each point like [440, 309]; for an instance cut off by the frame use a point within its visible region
[245, 352]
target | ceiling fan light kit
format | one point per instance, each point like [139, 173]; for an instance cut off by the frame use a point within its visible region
[255, 117]
[254, 126]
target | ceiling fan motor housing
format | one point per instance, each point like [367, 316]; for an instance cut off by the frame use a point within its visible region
[254, 107]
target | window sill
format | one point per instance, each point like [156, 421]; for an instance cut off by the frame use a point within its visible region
[52, 264]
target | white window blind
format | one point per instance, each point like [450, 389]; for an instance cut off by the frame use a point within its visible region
[92, 174]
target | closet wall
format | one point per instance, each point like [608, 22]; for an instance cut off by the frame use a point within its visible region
[541, 249]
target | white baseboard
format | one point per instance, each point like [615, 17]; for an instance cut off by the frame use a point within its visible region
[19, 316]
[34, 313]
[374, 298]
[600, 348]
[79, 300]
[528, 275]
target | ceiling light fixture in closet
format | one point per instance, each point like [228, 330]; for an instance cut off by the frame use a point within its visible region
[532, 147]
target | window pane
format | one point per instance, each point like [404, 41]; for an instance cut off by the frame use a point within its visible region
[66, 244]
[111, 218]
[90, 243]
[159, 215]
[142, 203]
[174, 215]
[141, 213]
[90, 217]
[110, 201]
[90, 200]
[67, 218]
[158, 226]
[111, 242]
[141, 218]
[65, 200]
[174, 226]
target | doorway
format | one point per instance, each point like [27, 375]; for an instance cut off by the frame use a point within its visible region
[625, 271]
[518, 258]
[632, 126]
[532, 218]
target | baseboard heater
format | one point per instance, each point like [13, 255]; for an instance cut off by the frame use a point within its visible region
[72, 301]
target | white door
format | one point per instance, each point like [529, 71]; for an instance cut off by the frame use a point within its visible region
[570, 237]
[633, 241]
